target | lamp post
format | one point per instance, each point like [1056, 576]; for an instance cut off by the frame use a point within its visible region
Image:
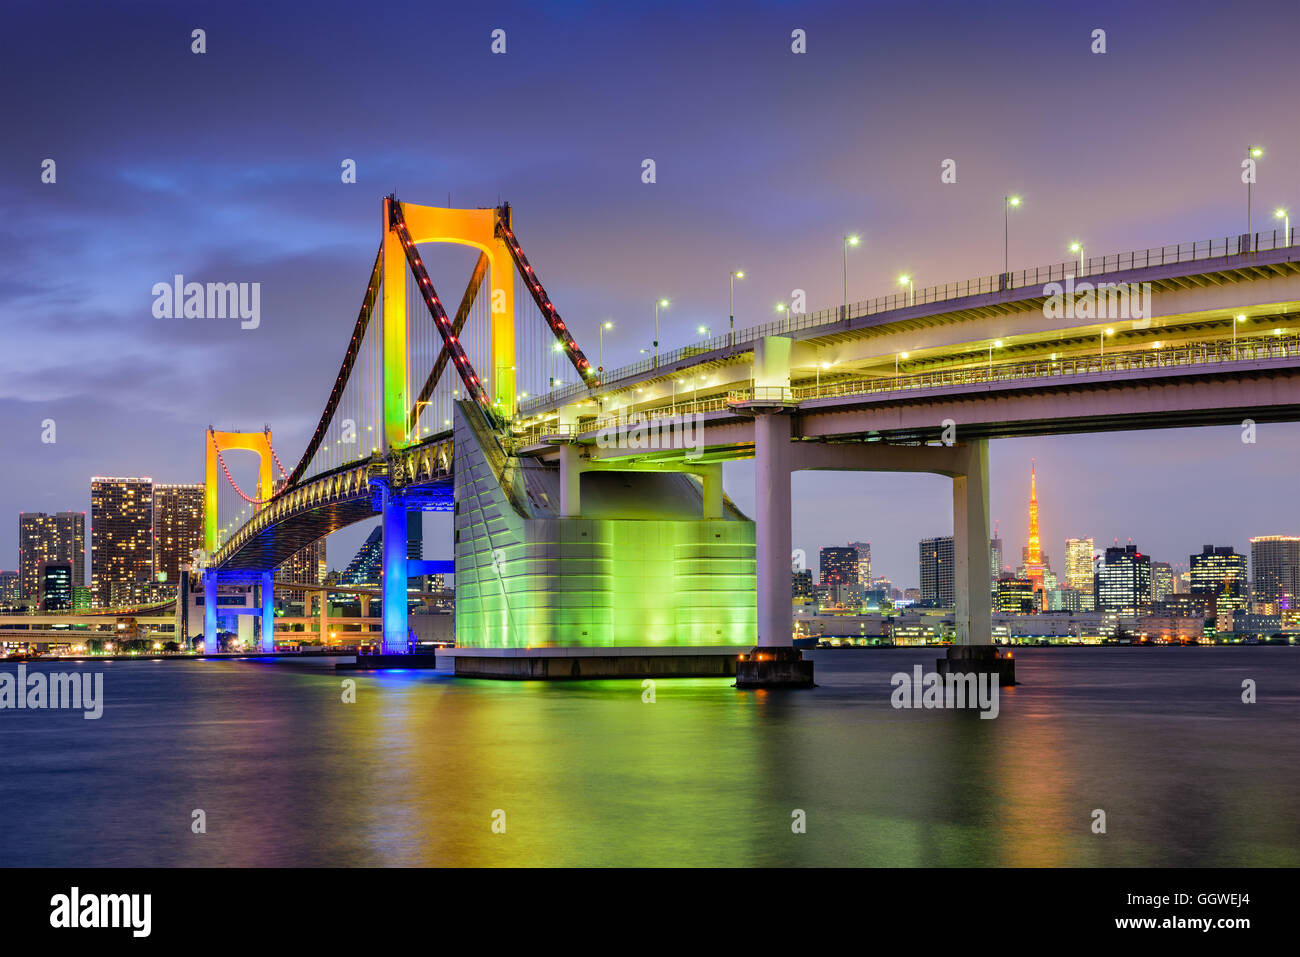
[896, 357]
[1078, 249]
[658, 303]
[911, 291]
[1007, 203]
[731, 326]
[1102, 336]
[1252, 153]
[995, 343]
[785, 312]
[820, 367]
[603, 326]
[848, 241]
[1236, 319]
[704, 331]
[1286, 231]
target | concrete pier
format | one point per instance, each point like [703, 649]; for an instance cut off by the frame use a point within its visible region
[979, 659]
[774, 667]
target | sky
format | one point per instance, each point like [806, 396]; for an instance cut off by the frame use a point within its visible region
[225, 166]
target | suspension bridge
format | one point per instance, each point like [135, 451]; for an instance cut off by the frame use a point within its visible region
[574, 531]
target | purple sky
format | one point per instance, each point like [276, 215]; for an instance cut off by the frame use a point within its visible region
[225, 167]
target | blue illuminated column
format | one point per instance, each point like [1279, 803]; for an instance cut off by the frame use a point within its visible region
[395, 598]
[209, 610]
[268, 612]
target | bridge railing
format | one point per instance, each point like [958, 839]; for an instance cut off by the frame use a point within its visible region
[1003, 282]
[1243, 350]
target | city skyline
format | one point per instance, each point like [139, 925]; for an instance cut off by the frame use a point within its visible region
[1178, 559]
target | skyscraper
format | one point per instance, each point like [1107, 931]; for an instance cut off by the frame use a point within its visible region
[1162, 581]
[56, 538]
[56, 586]
[1124, 581]
[177, 528]
[864, 561]
[9, 593]
[1275, 563]
[367, 564]
[121, 545]
[306, 566]
[936, 556]
[1078, 564]
[995, 557]
[1033, 549]
[1221, 572]
[838, 565]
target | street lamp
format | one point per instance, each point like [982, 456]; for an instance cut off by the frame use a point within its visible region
[1077, 248]
[1286, 232]
[911, 292]
[1236, 319]
[704, 332]
[1252, 152]
[995, 343]
[1104, 333]
[820, 367]
[896, 357]
[848, 241]
[731, 327]
[1007, 203]
[784, 310]
[658, 303]
[603, 326]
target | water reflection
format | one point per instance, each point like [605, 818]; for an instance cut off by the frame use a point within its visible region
[586, 773]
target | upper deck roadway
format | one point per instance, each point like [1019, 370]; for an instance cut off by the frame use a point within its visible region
[978, 339]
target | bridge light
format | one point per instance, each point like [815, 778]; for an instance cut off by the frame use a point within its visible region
[998, 342]
[1013, 200]
[1110, 332]
[853, 240]
[1257, 151]
[1241, 317]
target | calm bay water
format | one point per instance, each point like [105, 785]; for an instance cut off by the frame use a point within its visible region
[587, 774]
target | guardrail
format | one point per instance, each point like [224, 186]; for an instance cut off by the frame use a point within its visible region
[1243, 350]
[1002, 282]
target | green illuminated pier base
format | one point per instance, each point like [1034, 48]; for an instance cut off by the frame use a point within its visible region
[640, 569]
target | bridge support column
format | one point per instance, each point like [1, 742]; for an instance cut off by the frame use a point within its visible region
[973, 651]
[970, 531]
[394, 552]
[570, 482]
[772, 528]
[268, 611]
[775, 662]
[324, 618]
[209, 610]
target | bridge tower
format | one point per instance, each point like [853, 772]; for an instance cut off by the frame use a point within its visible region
[481, 229]
[218, 443]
